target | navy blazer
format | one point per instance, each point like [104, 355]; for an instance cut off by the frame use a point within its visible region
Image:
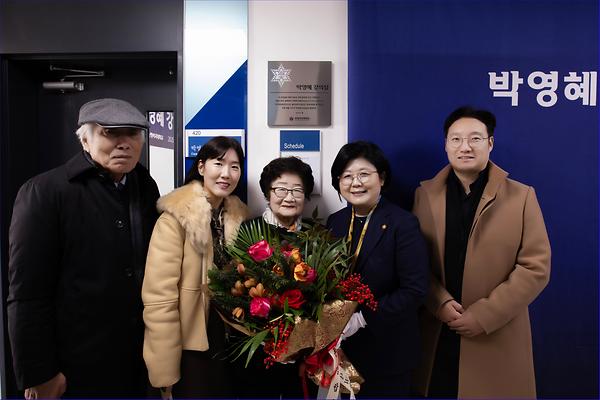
[394, 263]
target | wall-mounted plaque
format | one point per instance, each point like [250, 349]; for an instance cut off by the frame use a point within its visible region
[299, 93]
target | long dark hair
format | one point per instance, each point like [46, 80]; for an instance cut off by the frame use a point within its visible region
[214, 148]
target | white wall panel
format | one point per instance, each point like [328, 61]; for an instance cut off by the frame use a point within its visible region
[295, 30]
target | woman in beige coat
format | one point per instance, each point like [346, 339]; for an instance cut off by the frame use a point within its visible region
[182, 335]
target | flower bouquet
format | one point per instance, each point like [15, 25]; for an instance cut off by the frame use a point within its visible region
[292, 293]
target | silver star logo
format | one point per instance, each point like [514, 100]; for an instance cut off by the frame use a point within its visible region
[281, 75]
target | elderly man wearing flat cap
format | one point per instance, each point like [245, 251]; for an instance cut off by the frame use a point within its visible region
[78, 241]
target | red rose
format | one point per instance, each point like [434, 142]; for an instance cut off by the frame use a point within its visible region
[260, 251]
[294, 298]
[260, 307]
[286, 250]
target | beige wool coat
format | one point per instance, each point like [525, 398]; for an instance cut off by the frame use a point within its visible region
[506, 267]
[175, 285]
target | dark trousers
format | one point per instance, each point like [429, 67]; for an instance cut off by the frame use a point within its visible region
[206, 374]
[117, 380]
[444, 377]
[280, 381]
[395, 386]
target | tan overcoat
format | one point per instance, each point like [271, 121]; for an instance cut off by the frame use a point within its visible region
[507, 265]
[174, 290]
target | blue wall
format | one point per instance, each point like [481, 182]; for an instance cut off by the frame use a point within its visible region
[411, 62]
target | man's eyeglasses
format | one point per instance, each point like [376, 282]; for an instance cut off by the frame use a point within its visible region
[474, 141]
[281, 192]
[363, 177]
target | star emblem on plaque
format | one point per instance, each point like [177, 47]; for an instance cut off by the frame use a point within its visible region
[281, 75]
[301, 99]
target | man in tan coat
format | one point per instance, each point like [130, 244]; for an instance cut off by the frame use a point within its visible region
[490, 258]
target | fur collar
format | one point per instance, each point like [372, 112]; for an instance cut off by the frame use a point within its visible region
[190, 207]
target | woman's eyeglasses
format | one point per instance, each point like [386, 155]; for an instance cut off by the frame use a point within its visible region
[363, 177]
[281, 192]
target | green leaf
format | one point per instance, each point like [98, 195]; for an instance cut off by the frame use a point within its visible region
[286, 308]
[240, 348]
[256, 341]
[245, 347]
[276, 333]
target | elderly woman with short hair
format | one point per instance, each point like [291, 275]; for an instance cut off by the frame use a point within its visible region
[286, 182]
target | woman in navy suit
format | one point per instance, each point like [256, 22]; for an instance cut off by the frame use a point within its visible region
[391, 257]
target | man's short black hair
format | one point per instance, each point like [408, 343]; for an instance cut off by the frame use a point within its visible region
[360, 149]
[484, 116]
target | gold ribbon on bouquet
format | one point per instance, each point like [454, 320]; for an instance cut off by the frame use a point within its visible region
[314, 336]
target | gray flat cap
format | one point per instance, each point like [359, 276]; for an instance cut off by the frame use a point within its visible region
[112, 113]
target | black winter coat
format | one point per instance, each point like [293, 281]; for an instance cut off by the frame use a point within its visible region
[77, 254]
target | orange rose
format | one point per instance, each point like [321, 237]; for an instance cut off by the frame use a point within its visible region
[295, 256]
[304, 273]
[277, 270]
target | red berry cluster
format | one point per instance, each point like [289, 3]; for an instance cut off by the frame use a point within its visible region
[353, 289]
[274, 349]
